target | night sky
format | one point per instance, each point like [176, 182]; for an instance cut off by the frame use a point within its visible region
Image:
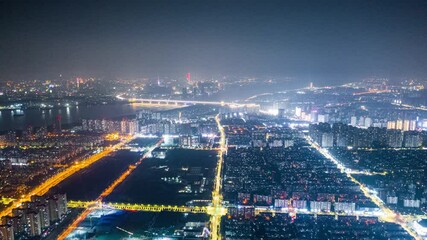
[324, 41]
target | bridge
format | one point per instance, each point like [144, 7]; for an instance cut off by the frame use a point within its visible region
[145, 207]
[210, 210]
[184, 102]
[220, 211]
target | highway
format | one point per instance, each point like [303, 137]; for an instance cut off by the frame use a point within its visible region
[106, 192]
[44, 187]
[387, 214]
[218, 211]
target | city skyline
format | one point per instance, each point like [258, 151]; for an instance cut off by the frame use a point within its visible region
[190, 119]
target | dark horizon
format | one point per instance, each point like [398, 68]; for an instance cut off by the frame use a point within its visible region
[326, 42]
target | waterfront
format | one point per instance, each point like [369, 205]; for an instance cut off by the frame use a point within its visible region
[69, 115]
[90, 182]
[93, 180]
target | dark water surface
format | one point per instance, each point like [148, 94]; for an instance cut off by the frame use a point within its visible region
[71, 115]
[88, 183]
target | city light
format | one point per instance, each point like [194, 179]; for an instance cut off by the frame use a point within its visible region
[206, 120]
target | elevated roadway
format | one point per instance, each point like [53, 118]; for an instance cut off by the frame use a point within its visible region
[45, 186]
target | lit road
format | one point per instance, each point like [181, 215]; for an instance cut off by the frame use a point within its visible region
[44, 187]
[212, 211]
[411, 106]
[387, 214]
[138, 207]
[340, 165]
[218, 210]
[106, 192]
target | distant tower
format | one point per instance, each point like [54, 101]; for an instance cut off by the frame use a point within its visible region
[311, 85]
[188, 76]
[158, 80]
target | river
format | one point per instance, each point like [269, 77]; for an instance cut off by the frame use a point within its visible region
[69, 116]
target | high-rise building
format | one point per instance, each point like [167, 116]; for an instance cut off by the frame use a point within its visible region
[320, 206]
[288, 143]
[6, 232]
[280, 203]
[133, 127]
[411, 203]
[399, 124]
[327, 140]
[299, 204]
[323, 118]
[368, 122]
[123, 126]
[412, 125]
[298, 111]
[392, 200]
[18, 220]
[405, 126]
[391, 125]
[189, 140]
[346, 207]
[353, 121]
[361, 121]
[57, 205]
[62, 204]
[314, 116]
[33, 223]
[412, 139]
[394, 138]
[43, 210]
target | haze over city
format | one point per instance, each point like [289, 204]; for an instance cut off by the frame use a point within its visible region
[194, 120]
[322, 41]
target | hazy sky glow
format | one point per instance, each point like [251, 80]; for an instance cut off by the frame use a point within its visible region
[326, 40]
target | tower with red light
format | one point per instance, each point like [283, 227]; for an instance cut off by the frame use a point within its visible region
[188, 77]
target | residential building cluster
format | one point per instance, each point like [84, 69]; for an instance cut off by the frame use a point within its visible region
[303, 226]
[29, 157]
[35, 218]
[343, 135]
[403, 187]
[295, 175]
